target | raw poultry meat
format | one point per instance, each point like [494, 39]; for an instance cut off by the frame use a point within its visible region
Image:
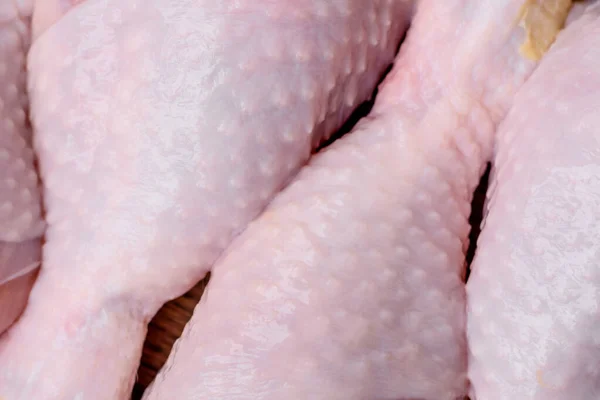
[20, 223]
[162, 128]
[534, 291]
[350, 285]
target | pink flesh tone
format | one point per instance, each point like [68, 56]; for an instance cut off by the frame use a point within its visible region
[159, 140]
[534, 293]
[20, 222]
[350, 285]
[168, 130]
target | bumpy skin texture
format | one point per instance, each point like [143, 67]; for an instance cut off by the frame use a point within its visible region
[534, 293]
[20, 205]
[306, 303]
[162, 128]
[174, 134]
[350, 285]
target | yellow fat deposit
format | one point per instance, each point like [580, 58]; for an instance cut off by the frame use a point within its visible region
[542, 20]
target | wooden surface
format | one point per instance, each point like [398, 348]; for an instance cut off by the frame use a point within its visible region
[163, 330]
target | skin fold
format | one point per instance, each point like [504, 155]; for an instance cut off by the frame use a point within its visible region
[47, 13]
[350, 285]
[20, 223]
[534, 292]
[162, 129]
[174, 137]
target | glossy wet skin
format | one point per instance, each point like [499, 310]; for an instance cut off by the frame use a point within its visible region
[20, 223]
[542, 228]
[169, 147]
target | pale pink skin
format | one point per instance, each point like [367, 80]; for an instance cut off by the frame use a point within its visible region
[158, 141]
[20, 222]
[534, 293]
[350, 284]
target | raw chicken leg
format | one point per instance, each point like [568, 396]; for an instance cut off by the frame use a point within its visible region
[534, 293]
[163, 127]
[20, 223]
[350, 285]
